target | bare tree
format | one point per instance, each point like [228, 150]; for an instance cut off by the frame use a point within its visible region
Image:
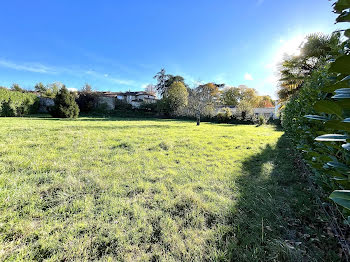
[201, 98]
[151, 89]
[86, 88]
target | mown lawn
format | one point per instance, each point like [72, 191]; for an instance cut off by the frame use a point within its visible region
[151, 190]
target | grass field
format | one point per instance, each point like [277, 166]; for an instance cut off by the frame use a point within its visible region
[151, 190]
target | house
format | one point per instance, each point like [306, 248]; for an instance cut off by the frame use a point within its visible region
[267, 112]
[133, 98]
[137, 98]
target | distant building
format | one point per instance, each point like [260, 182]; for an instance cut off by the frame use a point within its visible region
[133, 98]
[267, 112]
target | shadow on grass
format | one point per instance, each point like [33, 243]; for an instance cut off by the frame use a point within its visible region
[276, 217]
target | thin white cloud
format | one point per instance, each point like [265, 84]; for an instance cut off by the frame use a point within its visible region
[122, 81]
[248, 77]
[43, 69]
[29, 67]
[115, 80]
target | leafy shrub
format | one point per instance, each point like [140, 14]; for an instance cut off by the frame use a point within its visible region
[15, 103]
[225, 116]
[48, 91]
[65, 105]
[151, 107]
[261, 120]
[122, 105]
[302, 130]
[8, 108]
[87, 101]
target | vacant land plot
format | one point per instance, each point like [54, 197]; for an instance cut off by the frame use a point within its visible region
[158, 190]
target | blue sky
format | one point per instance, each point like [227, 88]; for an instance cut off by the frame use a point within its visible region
[120, 45]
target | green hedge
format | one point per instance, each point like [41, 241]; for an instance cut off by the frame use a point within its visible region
[318, 119]
[303, 130]
[14, 103]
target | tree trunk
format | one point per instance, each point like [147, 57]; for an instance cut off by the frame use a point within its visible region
[198, 119]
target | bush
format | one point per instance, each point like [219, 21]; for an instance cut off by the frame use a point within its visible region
[261, 120]
[303, 131]
[87, 101]
[8, 108]
[150, 107]
[225, 116]
[299, 128]
[65, 105]
[122, 105]
[102, 109]
[15, 103]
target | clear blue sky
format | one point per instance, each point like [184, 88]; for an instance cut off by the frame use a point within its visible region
[120, 45]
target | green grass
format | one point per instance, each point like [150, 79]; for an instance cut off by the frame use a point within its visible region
[150, 190]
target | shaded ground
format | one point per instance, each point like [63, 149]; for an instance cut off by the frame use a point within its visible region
[276, 217]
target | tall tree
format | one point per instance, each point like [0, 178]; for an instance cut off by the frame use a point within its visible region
[87, 99]
[249, 95]
[176, 96]
[202, 97]
[151, 89]
[161, 78]
[65, 105]
[40, 88]
[316, 51]
[16, 87]
[265, 101]
[245, 107]
[86, 88]
[171, 79]
[164, 81]
[231, 96]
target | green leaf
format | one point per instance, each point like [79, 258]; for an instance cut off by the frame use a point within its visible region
[345, 105]
[342, 90]
[315, 117]
[341, 197]
[335, 86]
[331, 138]
[341, 65]
[341, 5]
[347, 33]
[338, 125]
[343, 17]
[338, 165]
[346, 146]
[341, 96]
[329, 107]
[346, 79]
[340, 179]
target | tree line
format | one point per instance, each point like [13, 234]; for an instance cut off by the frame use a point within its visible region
[177, 98]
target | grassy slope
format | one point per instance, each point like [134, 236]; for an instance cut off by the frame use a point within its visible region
[149, 190]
